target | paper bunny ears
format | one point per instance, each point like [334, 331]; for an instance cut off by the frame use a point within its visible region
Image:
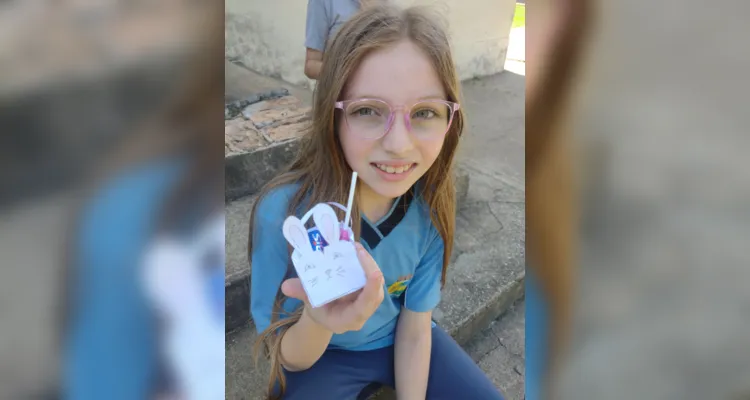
[304, 241]
[324, 256]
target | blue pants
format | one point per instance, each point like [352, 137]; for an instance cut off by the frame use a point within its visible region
[346, 375]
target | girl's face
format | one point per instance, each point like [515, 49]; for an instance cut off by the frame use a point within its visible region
[399, 76]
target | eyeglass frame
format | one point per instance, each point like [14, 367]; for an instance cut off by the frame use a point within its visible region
[453, 106]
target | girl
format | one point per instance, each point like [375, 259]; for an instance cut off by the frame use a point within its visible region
[385, 107]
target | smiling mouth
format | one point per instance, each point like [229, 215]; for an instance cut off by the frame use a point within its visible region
[394, 169]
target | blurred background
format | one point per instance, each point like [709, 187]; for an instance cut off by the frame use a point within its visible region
[89, 93]
[657, 121]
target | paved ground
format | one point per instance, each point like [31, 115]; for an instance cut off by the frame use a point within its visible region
[499, 350]
[494, 141]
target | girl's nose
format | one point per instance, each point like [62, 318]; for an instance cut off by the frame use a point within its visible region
[398, 140]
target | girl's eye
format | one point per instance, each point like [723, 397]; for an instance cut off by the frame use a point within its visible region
[424, 113]
[365, 112]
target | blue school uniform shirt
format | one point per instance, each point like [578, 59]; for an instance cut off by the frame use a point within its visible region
[404, 243]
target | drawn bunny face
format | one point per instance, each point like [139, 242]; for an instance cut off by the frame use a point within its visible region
[328, 270]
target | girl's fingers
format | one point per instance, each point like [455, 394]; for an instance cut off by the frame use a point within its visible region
[368, 263]
[349, 298]
[293, 288]
[369, 300]
[372, 294]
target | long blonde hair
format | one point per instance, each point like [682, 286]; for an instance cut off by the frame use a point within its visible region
[320, 167]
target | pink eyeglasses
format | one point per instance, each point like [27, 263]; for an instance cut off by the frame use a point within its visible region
[374, 118]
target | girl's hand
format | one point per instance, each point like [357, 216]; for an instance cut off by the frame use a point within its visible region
[350, 312]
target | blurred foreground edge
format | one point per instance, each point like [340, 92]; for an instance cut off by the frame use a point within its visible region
[89, 106]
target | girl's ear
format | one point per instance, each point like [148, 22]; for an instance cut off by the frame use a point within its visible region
[295, 233]
[327, 222]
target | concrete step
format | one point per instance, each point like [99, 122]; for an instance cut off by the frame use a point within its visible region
[484, 280]
[262, 135]
[241, 82]
[237, 280]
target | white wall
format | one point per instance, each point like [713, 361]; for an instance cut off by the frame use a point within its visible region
[268, 35]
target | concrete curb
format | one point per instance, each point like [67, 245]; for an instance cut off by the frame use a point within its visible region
[233, 109]
[495, 306]
[246, 173]
[261, 139]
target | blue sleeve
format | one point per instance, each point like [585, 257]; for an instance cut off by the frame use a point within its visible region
[423, 291]
[269, 258]
[111, 342]
[317, 26]
[111, 352]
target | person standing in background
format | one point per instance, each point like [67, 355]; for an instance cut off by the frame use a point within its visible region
[324, 18]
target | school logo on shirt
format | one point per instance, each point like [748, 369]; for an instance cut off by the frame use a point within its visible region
[396, 289]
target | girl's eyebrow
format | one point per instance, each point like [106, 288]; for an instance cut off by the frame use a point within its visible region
[432, 97]
[429, 97]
